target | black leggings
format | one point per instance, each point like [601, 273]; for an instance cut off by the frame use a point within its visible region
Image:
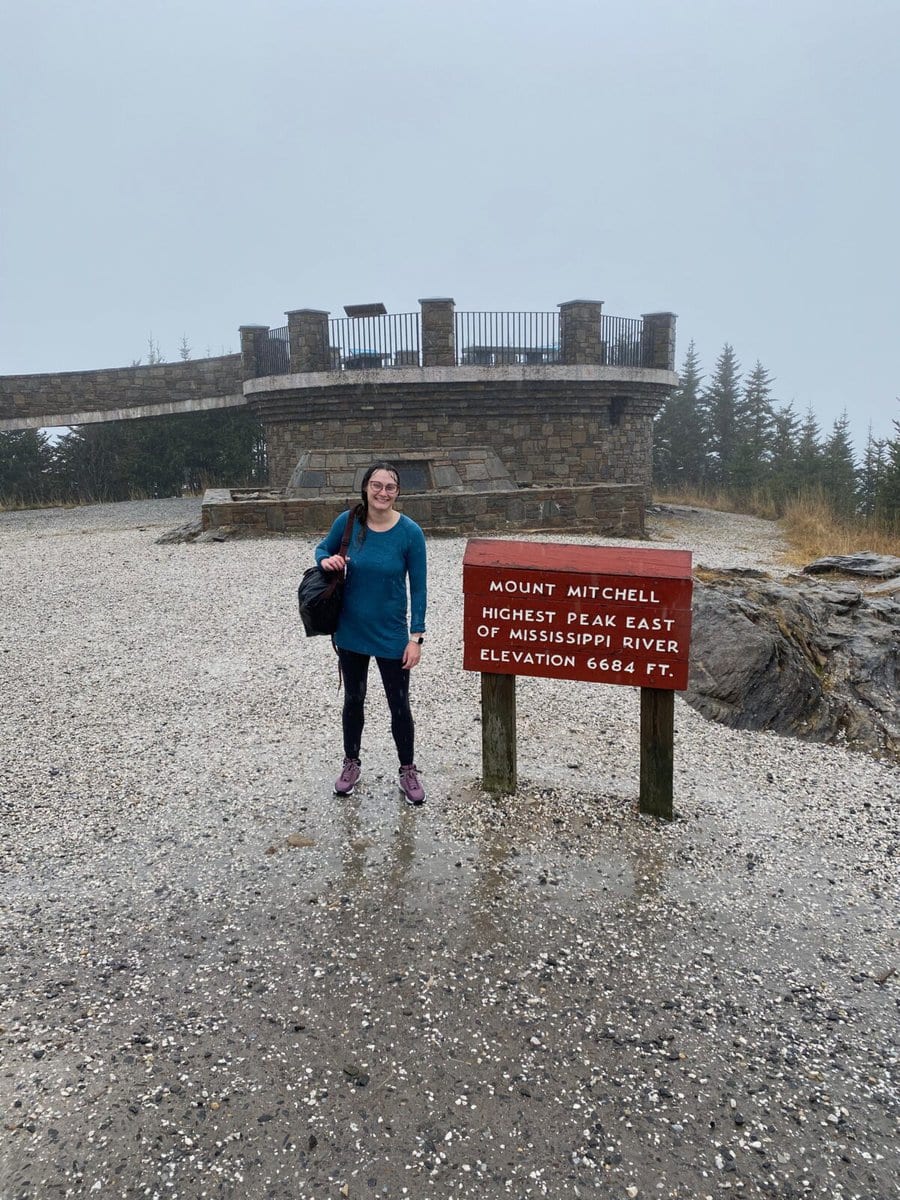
[355, 671]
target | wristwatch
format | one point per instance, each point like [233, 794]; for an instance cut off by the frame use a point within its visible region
[419, 640]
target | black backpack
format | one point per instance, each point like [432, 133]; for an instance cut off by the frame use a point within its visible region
[321, 593]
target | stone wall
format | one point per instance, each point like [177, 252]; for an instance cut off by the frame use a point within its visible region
[166, 387]
[544, 431]
[613, 510]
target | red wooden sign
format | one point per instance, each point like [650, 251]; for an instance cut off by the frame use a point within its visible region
[604, 614]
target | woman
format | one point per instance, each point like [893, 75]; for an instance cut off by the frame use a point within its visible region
[385, 549]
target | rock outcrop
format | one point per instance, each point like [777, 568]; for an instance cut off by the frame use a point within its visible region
[189, 532]
[865, 562]
[809, 658]
[193, 531]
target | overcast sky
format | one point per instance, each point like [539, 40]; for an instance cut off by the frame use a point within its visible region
[183, 168]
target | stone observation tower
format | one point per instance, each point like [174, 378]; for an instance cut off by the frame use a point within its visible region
[497, 420]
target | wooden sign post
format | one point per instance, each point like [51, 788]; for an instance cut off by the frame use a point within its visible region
[597, 613]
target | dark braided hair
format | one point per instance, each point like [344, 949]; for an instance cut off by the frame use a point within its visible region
[361, 511]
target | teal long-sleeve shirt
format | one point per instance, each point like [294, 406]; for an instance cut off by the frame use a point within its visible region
[373, 616]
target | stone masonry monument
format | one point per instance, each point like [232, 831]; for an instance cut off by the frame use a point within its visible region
[497, 420]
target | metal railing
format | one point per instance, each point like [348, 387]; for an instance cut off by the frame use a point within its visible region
[622, 341]
[274, 354]
[493, 339]
[362, 343]
[482, 339]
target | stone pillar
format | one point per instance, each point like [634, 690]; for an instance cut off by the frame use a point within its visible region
[438, 333]
[308, 336]
[658, 341]
[251, 357]
[579, 333]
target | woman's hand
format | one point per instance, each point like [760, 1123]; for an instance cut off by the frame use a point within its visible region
[411, 655]
[334, 562]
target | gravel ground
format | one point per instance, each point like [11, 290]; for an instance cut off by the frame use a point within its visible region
[217, 980]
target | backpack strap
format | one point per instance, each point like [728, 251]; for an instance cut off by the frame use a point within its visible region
[348, 533]
[345, 543]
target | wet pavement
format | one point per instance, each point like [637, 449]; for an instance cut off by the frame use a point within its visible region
[218, 980]
[400, 1003]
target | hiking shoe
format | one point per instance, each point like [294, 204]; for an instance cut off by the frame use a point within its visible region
[348, 778]
[411, 785]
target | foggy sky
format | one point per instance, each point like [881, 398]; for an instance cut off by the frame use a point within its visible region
[175, 169]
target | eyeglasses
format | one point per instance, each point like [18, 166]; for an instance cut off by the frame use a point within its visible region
[389, 489]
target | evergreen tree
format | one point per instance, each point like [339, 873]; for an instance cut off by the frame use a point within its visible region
[678, 444]
[783, 468]
[95, 462]
[871, 473]
[26, 461]
[719, 413]
[754, 436]
[225, 447]
[809, 456]
[889, 488]
[162, 456]
[839, 474]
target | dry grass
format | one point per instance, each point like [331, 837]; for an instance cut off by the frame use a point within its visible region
[12, 504]
[759, 504]
[718, 501]
[16, 504]
[810, 528]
